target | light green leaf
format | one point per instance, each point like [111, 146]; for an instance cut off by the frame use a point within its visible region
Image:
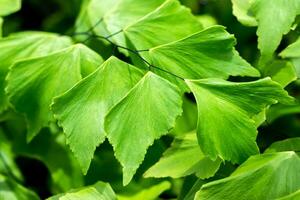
[25, 45]
[293, 196]
[231, 106]
[184, 158]
[126, 12]
[188, 120]
[11, 190]
[115, 15]
[99, 92]
[292, 51]
[207, 20]
[150, 30]
[9, 6]
[279, 110]
[32, 83]
[150, 193]
[208, 53]
[147, 112]
[241, 11]
[275, 19]
[283, 72]
[267, 176]
[52, 151]
[98, 191]
[290, 144]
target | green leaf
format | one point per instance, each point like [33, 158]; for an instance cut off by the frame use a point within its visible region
[275, 19]
[208, 53]
[150, 30]
[188, 120]
[115, 15]
[184, 158]
[293, 196]
[241, 9]
[231, 106]
[207, 20]
[292, 51]
[283, 72]
[99, 191]
[279, 110]
[8, 166]
[9, 6]
[52, 151]
[290, 144]
[25, 45]
[99, 92]
[267, 176]
[150, 193]
[11, 190]
[33, 83]
[147, 112]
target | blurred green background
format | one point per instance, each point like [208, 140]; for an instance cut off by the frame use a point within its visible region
[59, 16]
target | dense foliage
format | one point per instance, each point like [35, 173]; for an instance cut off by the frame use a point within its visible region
[153, 99]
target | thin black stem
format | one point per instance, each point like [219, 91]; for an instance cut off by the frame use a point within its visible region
[136, 52]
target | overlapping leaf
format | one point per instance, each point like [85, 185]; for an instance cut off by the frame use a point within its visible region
[225, 110]
[99, 191]
[184, 158]
[273, 18]
[114, 15]
[283, 72]
[81, 110]
[267, 176]
[25, 45]
[290, 144]
[281, 14]
[150, 30]
[32, 83]
[208, 53]
[293, 52]
[147, 112]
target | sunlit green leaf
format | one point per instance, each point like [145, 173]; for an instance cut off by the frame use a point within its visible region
[208, 53]
[32, 83]
[267, 176]
[150, 193]
[183, 158]
[281, 14]
[9, 6]
[83, 125]
[147, 112]
[283, 72]
[231, 105]
[290, 144]
[279, 110]
[98, 191]
[150, 30]
[25, 45]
